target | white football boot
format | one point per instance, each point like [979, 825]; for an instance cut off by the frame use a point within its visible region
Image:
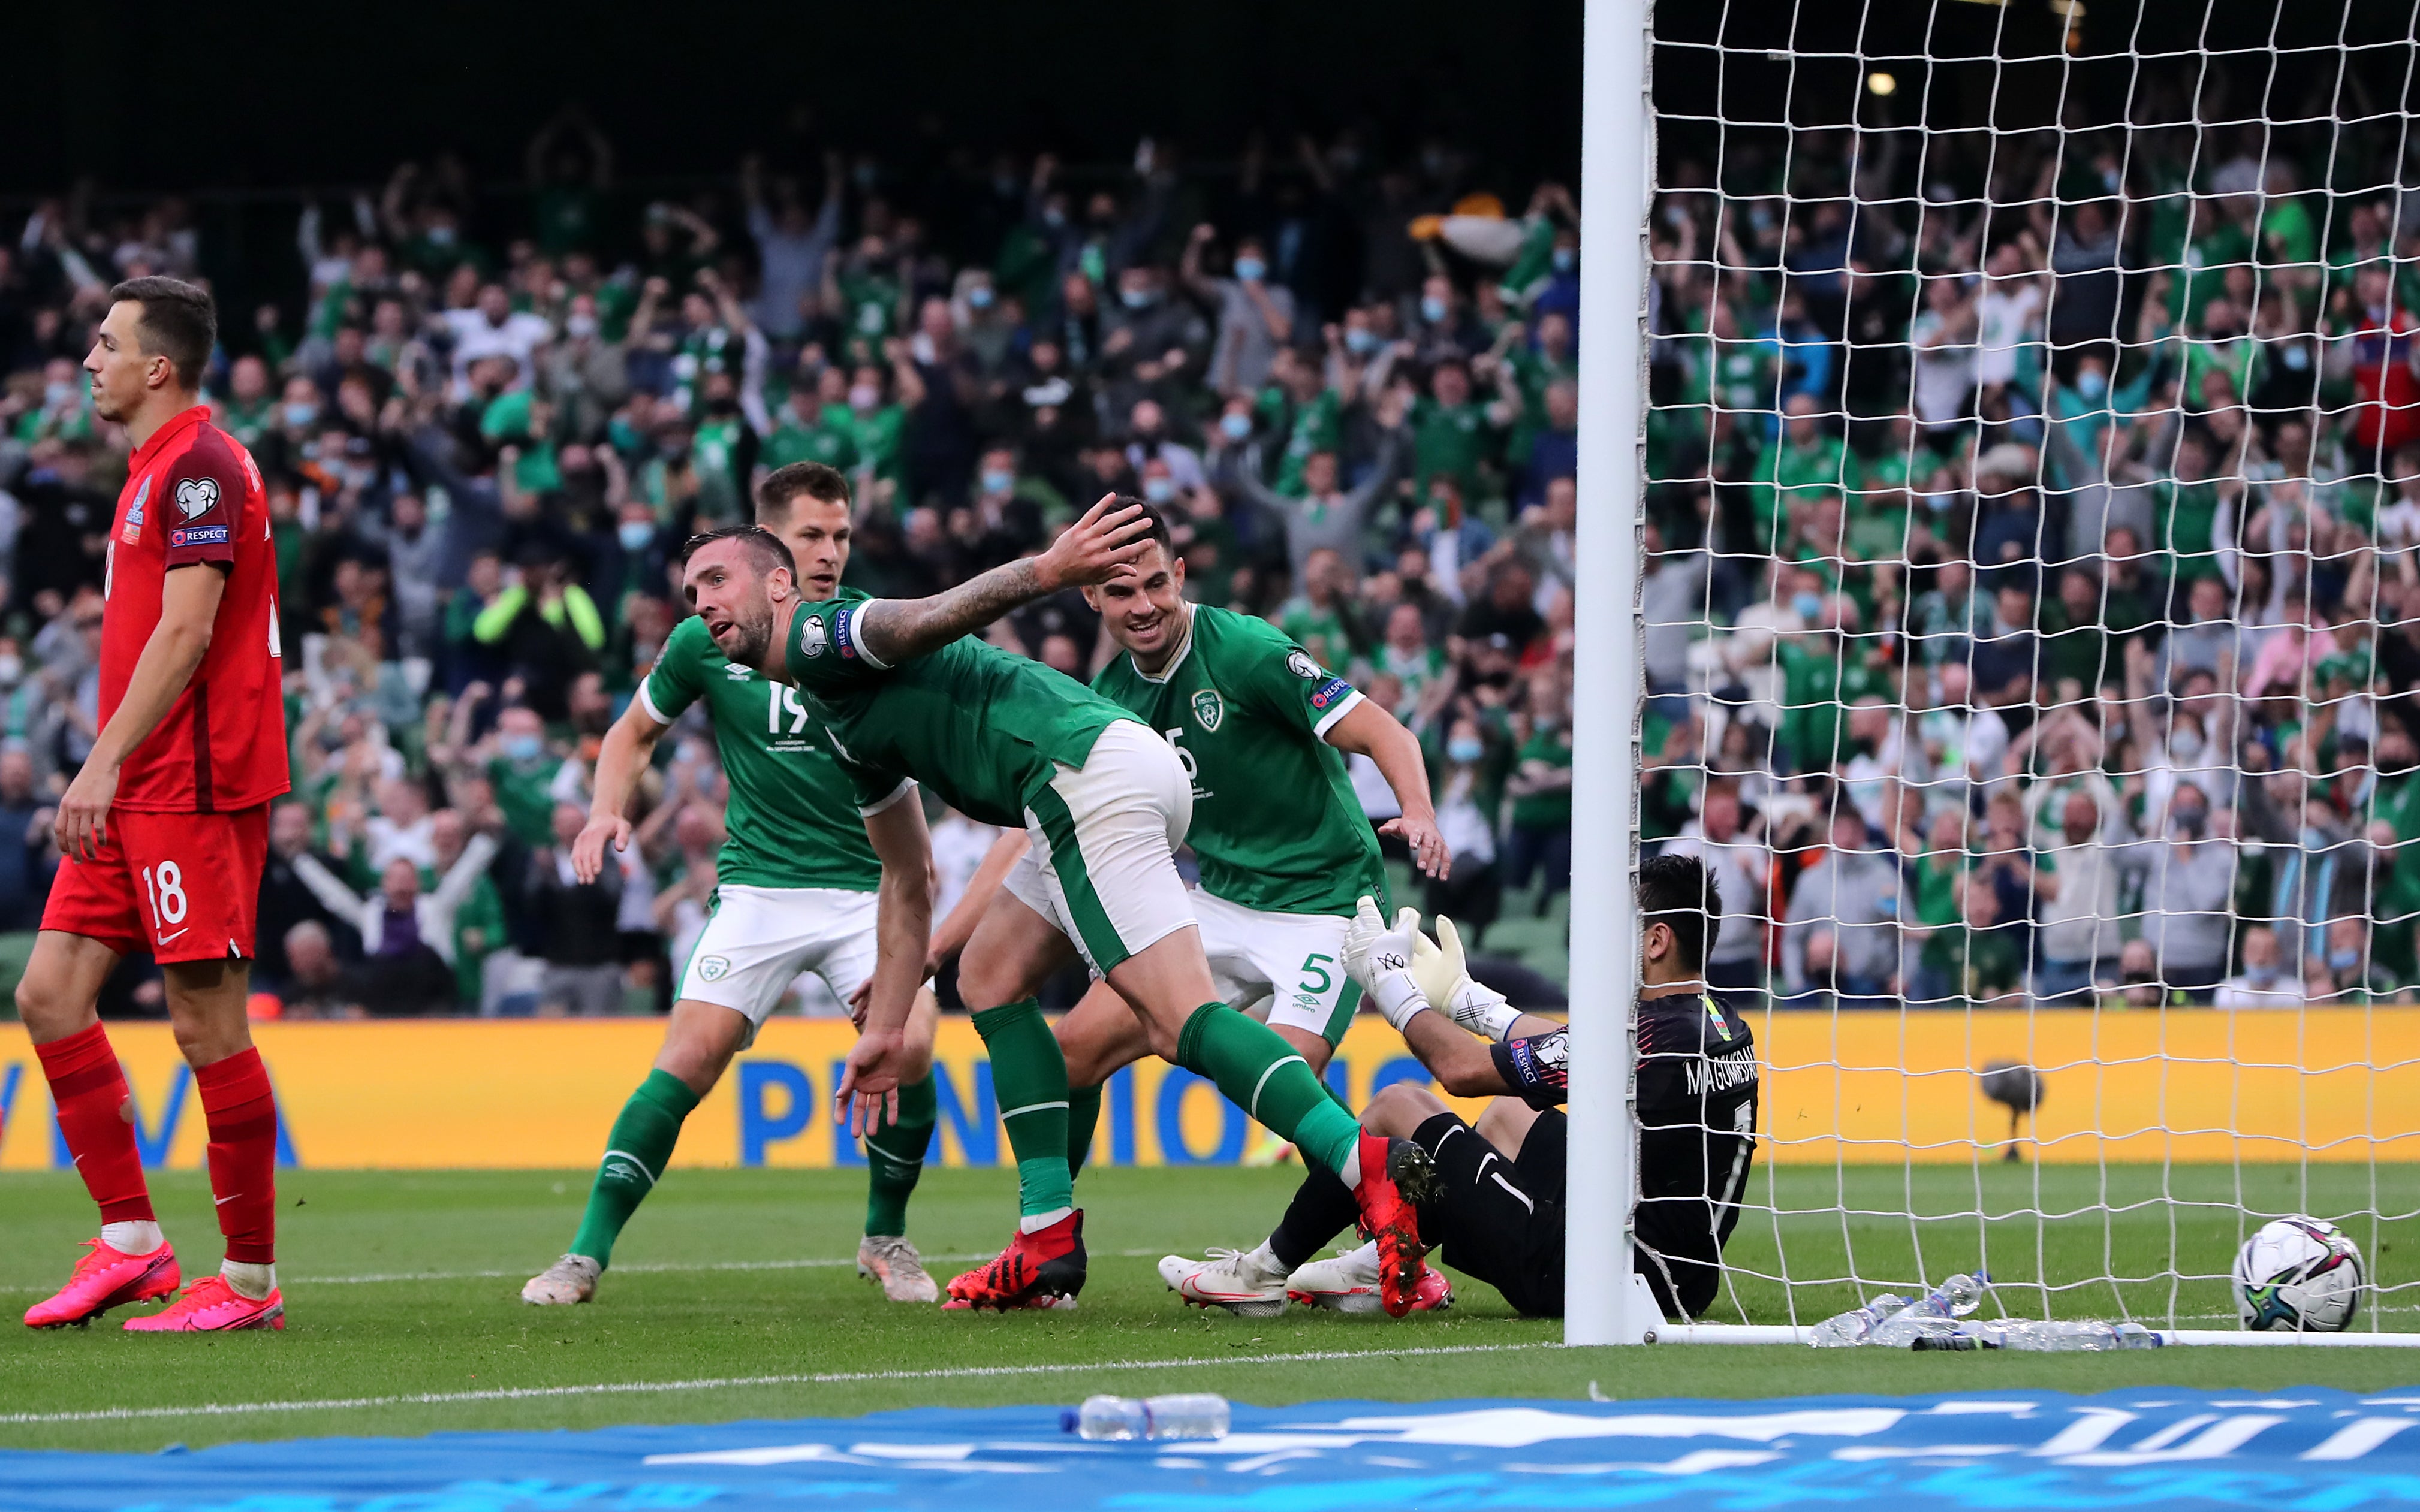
[893, 1261]
[1248, 1283]
[1348, 1283]
[570, 1279]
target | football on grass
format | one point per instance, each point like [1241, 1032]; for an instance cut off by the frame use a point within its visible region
[2299, 1276]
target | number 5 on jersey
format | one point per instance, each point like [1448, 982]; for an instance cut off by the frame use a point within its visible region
[165, 885]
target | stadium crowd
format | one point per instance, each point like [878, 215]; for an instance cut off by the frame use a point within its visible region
[487, 423]
[2034, 612]
[2033, 525]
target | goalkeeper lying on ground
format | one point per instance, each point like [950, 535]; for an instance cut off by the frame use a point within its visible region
[1500, 1215]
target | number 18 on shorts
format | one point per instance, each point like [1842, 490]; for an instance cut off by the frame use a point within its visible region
[185, 886]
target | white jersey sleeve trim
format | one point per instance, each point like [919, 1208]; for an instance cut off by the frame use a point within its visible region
[864, 652]
[907, 785]
[647, 701]
[1327, 720]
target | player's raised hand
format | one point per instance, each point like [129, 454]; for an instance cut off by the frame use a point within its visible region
[588, 850]
[867, 1098]
[1096, 547]
[81, 827]
[1429, 849]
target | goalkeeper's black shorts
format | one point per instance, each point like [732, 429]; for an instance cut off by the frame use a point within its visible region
[1500, 1220]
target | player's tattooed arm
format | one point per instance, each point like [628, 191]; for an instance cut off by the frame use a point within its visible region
[1093, 549]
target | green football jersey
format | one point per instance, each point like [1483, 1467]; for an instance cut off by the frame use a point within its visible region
[1276, 824]
[794, 816]
[983, 728]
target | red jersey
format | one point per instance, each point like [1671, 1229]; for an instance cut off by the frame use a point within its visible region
[192, 495]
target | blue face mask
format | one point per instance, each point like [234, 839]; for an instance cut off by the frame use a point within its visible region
[997, 481]
[2093, 383]
[1136, 299]
[1433, 310]
[1250, 270]
[298, 414]
[1464, 748]
[2260, 975]
[1235, 424]
[2343, 960]
[635, 534]
[1360, 341]
[1158, 490]
[523, 748]
[1807, 606]
[1566, 259]
[979, 296]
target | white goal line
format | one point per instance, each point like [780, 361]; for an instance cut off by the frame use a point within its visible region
[833, 1377]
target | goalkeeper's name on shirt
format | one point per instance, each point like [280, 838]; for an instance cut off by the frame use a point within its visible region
[1720, 1073]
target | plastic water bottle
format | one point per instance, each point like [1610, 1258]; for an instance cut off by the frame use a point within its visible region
[1937, 1314]
[1184, 1415]
[2066, 1336]
[1856, 1327]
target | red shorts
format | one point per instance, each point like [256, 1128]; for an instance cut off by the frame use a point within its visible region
[185, 886]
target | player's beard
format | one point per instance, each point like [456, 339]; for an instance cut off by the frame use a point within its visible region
[748, 637]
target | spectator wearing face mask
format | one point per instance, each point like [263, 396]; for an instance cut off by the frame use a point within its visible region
[2188, 882]
[2263, 983]
[1256, 317]
[1467, 770]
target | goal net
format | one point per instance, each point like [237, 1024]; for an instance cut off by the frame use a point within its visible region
[2030, 626]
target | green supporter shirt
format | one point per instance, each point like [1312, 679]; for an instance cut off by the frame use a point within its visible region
[983, 728]
[1451, 440]
[823, 441]
[1276, 824]
[1550, 808]
[796, 814]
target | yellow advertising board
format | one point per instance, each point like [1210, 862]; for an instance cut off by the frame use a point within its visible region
[2335, 1085]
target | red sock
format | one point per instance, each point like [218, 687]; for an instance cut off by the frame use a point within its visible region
[88, 1089]
[242, 1154]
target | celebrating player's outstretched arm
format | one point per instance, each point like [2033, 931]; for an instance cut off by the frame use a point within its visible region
[1093, 550]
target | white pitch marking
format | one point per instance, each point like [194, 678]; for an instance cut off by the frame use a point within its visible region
[621, 1388]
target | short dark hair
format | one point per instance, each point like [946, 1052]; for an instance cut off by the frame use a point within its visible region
[178, 322]
[783, 485]
[763, 546]
[1159, 520]
[1679, 892]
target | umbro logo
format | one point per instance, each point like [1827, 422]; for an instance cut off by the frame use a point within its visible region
[737, 673]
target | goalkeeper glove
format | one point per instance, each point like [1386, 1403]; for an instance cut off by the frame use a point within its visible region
[1379, 957]
[1447, 984]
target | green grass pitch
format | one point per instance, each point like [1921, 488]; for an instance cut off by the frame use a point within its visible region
[457, 1246]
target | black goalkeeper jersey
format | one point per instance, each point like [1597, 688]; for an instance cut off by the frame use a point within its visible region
[1697, 1089]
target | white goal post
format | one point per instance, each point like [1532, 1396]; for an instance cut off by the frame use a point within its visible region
[2087, 571]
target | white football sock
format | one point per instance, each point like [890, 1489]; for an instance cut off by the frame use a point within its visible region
[138, 1236]
[1263, 1261]
[252, 1282]
[1349, 1172]
[1041, 1221]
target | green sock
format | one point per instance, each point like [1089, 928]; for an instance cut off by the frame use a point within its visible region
[636, 1154]
[1083, 1117]
[894, 1156]
[1267, 1078]
[1028, 1075]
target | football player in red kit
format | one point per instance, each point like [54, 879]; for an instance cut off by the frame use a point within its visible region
[163, 832]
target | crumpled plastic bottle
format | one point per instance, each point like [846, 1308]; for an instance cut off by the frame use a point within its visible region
[1857, 1326]
[1937, 1315]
